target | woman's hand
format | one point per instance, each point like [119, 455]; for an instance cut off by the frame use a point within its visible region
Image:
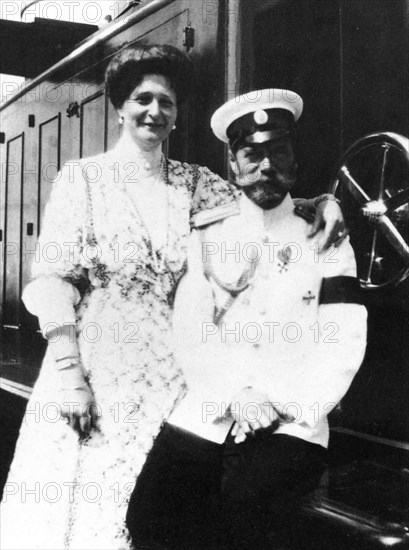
[79, 409]
[328, 215]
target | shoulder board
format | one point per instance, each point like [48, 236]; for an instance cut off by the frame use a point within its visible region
[302, 213]
[216, 214]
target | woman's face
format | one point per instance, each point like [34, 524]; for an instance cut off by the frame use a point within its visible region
[150, 111]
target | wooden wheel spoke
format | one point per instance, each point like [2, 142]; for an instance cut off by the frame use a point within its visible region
[390, 232]
[382, 182]
[353, 186]
[368, 278]
[397, 200]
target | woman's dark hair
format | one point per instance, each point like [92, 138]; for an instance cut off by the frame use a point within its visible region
[127, 69]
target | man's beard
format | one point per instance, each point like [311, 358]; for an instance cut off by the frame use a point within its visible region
[271, 191]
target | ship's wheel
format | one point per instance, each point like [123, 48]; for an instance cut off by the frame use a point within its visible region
[372, 183]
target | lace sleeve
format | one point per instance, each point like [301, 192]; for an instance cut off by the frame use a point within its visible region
[53, 301]
[63, 238]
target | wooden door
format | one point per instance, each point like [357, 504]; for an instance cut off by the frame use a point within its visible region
[14, 197]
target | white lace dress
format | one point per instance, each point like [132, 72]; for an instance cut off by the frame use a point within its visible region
[62, 493]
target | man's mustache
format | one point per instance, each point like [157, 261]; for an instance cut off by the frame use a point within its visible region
[284, 177]
[252, 178]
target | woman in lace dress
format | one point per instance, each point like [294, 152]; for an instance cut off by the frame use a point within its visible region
[113, 247]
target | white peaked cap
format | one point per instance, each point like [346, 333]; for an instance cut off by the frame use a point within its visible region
[257, 102]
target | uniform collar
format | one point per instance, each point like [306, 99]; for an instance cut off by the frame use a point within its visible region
[267, 220]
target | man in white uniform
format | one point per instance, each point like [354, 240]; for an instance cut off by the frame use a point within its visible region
[270, 334]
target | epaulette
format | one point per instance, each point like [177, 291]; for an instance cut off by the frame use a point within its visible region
[305, 214]
[216, 214]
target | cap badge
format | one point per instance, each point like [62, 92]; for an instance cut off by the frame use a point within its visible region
[260, 117]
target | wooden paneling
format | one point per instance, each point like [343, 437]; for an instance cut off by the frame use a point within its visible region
[48, 161]
[112, 126]
[92, 137]
[3, 149]
[375, 67]
[14, 202]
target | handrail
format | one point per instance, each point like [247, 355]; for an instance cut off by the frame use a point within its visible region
[28, 6]
[130, 4]
[99, 36]
[22, 390]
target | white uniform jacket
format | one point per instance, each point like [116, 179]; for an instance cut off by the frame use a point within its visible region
[294, 331]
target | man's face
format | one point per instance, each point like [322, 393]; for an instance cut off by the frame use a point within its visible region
[265, 171]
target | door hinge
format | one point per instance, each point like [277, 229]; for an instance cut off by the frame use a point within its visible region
[189, 40]
[73, 109]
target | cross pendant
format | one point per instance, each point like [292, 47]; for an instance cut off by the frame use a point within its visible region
[309, 297]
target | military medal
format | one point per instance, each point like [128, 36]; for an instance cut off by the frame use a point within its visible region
[284, 255]
[310, 296]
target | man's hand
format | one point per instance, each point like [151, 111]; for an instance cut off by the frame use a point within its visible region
[329, 216]
[79, 409]
[251, 410]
